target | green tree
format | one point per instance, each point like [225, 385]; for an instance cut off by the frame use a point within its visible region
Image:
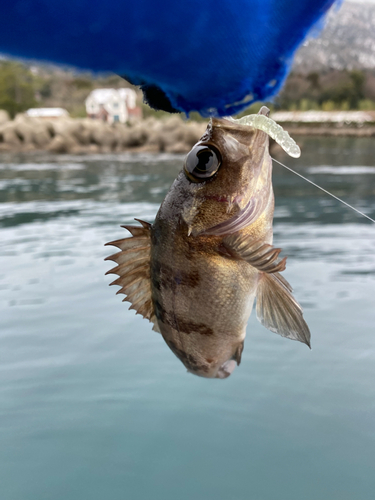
[349, 93]
[16, 88]
[357, 79]
[314, 79]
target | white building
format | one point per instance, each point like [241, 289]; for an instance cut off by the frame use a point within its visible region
[47, 113]
[112, 105]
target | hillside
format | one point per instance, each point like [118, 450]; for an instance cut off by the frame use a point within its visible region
[346, 42]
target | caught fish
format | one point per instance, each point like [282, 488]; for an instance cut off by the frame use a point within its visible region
[195, 272]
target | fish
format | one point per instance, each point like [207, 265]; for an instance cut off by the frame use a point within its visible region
[197, 270]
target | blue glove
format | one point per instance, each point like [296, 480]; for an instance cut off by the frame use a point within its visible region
[212, 56]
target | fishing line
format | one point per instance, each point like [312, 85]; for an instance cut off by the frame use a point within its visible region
[324, 190]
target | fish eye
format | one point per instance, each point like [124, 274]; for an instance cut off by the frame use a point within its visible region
[202, 162]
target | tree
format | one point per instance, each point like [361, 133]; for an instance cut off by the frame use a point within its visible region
[314, 79]
[16, 88]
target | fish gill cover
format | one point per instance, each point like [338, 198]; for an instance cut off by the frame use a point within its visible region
[215, 57]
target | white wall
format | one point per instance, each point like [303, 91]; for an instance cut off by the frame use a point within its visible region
[115, 102]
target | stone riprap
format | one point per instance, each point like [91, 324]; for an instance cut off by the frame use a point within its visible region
[68, 135]
[171, 135]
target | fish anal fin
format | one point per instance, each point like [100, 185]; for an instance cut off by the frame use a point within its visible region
[277, 309]
[133, 269]
[258, 254]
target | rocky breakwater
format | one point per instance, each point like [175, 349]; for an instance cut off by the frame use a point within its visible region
[327, 123]
[79, 136]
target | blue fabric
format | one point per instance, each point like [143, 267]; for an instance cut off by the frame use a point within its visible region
[210, 56]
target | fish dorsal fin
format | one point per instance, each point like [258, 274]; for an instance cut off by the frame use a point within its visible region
[133, 269]
[262, 256]
[278, 310]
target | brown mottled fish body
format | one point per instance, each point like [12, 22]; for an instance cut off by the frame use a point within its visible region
[210, 254]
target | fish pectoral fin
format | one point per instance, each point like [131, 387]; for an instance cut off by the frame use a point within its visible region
[133, 269]
[278, 310]
[262, 256]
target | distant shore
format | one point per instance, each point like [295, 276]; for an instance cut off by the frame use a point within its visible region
[171, 135]
[331, 131]
[327, 123]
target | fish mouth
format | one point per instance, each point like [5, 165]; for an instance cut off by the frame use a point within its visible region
[226, 369]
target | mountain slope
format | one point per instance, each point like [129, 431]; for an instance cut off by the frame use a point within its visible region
[346, 42]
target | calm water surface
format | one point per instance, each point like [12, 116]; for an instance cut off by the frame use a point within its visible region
[93, 405]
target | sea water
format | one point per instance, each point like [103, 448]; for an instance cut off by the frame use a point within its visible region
[93, 404]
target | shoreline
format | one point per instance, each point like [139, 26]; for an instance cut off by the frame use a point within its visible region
[172, 135]
[331, 131]
[87, 136]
